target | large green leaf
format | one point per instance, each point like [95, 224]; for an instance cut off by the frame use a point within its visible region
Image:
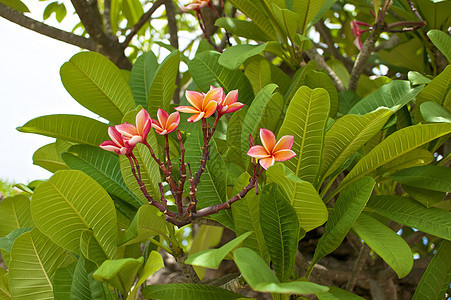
[16, 4]
[141, 77]
[307, 9]
[80, 203]
[242, 28]
[211, 258]
[97, 84]
[442, 41]
[48, 158]
[306, 120]
[34, 261]
[7, 242]
[187, 291]
[4, 285]
[397, 144]
[393, 95]
[235, 56]
[212, 186]
[103, 167]
[62, 282]
[347, 135]
[409, 212]
[72, 128]
[287, 20]
[246, 217]
[409, 55]
[434, 178]
[90, 248]
[316, 79]
[347, 209]
[335, 293]
[206, 71]
[280, 227]
[120, 273]
[258, 71]
[434, 113]
[427, 197]
[386, 243]
[436, 278]
[261, 278]
[257, 15]
[163, 85]
[302, 196]
[254, 117]
[233, 137]
[14, 214]
[415, 157]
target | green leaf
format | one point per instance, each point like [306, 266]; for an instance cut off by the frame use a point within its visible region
[211, 258]
[233, 57]
[90, 248]
[288, 21]
[393, 95]
[72, 128]
[233, 137]
[4, 285]
[148, 222]
[154, 263]
[261, 278]
[102, 166]
[187, 291]
[317, 79]
[246, 217]
[120, 273]
[16, 4]
[347, 135]
[280, 227]
[141, 77]
[397, 144]
[435, 281]
[36, 258]
[386, 243]
[335, 293]
[303, 197]
[253, 118]
[48, 158]
[258, 71]
[307, 9]
[206, 71]
[81, 204]
[409, 55]
[347, 209]
[6, 242]
[242, 28]
[306, 120]
[212, 186]
[97, 84]
[163, 85]
[427, 197]
[62, 282]
[434, 113]
[442, 41]
[409, 212]
[415, 157]
[416, 78]
[299, 79]
[14, 214]
[436, 178]
[84, 286]
[132, 10]
[257, 15]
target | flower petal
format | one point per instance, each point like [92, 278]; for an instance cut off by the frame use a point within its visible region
[268, 139]
[266, 162]
[231, 98]
[173, 118]
[214, 94]
[187, 109]
[162, 117]
[195, 98]
[234, 107]
[156, 125]
[115, 136]
[127, 130]
[283, 155]
[142, 120]
[210, 108]
[196, 117]
[258, 152]
[285, 142]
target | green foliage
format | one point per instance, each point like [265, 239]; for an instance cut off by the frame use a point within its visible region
[188, 292]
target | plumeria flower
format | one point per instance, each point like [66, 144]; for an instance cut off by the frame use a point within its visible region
[136, 134]
[117, 143]
[203, 105]
[355, 27]
[196, 5]
[166, 123]
[272, 151]
[228, 103]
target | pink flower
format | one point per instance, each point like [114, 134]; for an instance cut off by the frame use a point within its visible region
[355, 27]
[166, 123]
[228, 103]
[136, 134]
[272, 151]
[117, 143]
[203, 105]
[196, 5]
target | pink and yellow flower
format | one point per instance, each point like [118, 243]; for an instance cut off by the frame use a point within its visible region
[228, 103]
[272, 151]
[203, 105]
[117, 143]
[195, 5]
[166, 123]
[136, 134]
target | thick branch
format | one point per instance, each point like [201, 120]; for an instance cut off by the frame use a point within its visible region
[312, 54]
[141, 22]
[107, 18]
[39, 27]
[174, 41]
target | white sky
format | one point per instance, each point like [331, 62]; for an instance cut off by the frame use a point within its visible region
[30, 86]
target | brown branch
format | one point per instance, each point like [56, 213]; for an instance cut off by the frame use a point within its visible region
[360, 261]
[141, 22]
[174, 41]
[44, 29]
[312, 54]
[107, 18]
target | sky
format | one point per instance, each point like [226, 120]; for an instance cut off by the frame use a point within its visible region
[30, 86]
